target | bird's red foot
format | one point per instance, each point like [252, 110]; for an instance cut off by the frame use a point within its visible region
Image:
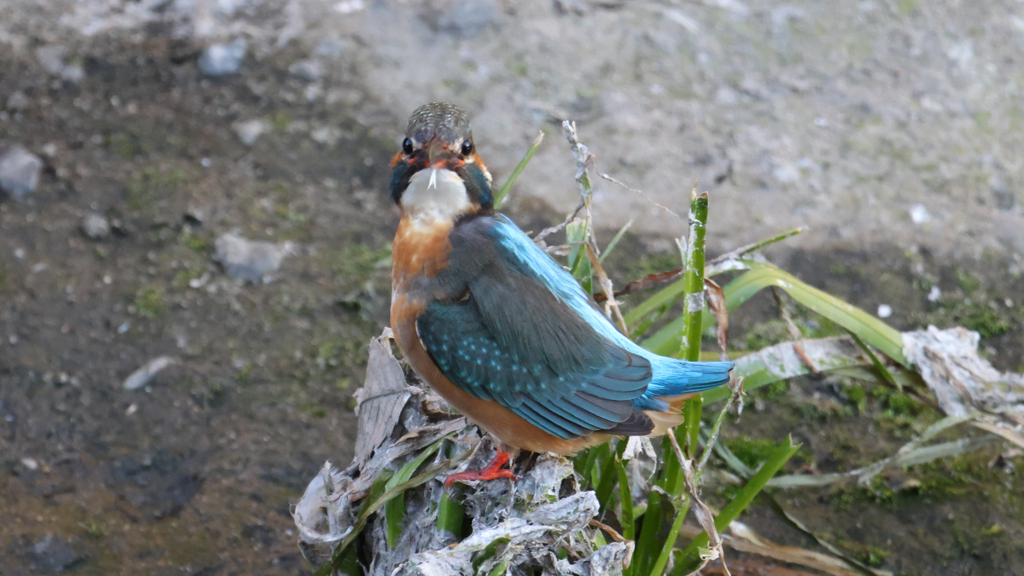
[491, 472]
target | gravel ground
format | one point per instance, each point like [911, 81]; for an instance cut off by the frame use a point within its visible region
[205, 182]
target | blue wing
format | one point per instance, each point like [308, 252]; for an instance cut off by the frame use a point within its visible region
[513, 326]
[670, 376]
[566, 403]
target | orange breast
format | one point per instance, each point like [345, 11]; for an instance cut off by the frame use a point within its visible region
[420, 249]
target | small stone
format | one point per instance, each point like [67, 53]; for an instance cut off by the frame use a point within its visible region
[223, 59]
[330, 47]
[884, 310]
[73, 73]
[919, 214]
[250, 131]
[249, 261]
[17, 101]
[934, 294]
[95, 226]
[326, 135]
[467, 19]
[349, 6]
[195, 215]
[311, 70]
[51, 58]
[19, 172]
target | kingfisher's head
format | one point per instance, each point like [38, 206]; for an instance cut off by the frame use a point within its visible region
[438, 174]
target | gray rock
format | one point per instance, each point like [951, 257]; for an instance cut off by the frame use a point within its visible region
[311, 70]
[250, 131]
[51, 58]
[467, 19]
[19, 172]
[17, 102]
[330, 47]
[52, 554]
[73, 73]
[95, 226]
[249, 261]
[223, 59]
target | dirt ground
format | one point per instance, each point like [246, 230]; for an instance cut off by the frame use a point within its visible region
[194, 472]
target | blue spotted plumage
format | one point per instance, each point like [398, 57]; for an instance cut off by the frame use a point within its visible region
[525, 334]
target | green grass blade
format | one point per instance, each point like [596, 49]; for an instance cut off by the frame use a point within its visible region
[648, 545]
[589, 459]
[670, 540]
[490, 551]
[394, 510]
[500, 569]
[450, 516]
[606, 488]
[779, 362]
[665, 297]
[615, 241]
[687, 559]
[503, 192]
[872, 330]
[349, 565]
[626, 519]
[665, 341]
[882, 370]
[576, 235]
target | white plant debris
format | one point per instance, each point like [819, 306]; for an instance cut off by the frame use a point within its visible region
[964, 383]
[147, 372]
[531, 519]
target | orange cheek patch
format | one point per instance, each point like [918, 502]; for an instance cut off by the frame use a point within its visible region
[396, 159]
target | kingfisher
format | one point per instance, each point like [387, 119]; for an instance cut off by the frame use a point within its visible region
[502, 331]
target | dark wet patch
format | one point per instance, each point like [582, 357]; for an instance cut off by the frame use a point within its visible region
[160, 485]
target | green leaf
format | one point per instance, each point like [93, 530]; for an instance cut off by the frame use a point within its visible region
[500, 196]
[648, 545]
[870, 329]
[577, 235]
[500, 569]
[762, 275]
[670, 540]
[394, 511]
[687, 559]
[450, 516]
[615, 241]
[876, 362]
[349, 565]
[626, 518]
[768, 365]
[489, 552]
[664, 298]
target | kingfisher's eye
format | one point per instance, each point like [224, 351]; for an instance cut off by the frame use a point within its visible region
[467, 148]
[407, 146]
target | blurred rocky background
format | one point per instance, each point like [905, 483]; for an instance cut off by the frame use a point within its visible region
[194, 222]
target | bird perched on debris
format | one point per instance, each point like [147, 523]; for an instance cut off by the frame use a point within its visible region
[502, 331]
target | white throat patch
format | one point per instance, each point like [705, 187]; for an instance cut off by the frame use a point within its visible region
[435, 195]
